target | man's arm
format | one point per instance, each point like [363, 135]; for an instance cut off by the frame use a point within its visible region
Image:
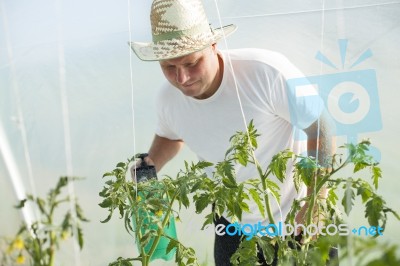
[320, 138]
[321, 143]
[162, 150]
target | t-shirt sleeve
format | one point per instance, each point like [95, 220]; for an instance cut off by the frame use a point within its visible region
[164, 131]
[164, 126]
[294, 99]
[305, 104]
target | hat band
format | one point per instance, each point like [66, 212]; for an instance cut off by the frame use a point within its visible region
[199, 28]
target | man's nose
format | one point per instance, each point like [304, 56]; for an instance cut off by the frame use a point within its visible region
[182, 75]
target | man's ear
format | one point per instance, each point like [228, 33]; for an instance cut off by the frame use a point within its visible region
[214, 47]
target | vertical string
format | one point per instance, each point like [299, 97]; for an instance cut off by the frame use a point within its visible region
[67, 130]
[341, 26]
[30, 214]
[320, 72]
[132, 87]
[322, 33]
[257, 164]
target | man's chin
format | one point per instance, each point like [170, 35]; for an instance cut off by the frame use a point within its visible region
[190, 93]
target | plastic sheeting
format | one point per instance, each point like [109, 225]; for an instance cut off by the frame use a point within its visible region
[66, 94]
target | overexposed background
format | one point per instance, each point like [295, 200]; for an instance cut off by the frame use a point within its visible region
[73, 55]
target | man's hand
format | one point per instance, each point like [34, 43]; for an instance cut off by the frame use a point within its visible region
[138, 163]
[161, 151]
[318, 217]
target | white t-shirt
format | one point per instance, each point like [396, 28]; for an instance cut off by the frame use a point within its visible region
[207, 125]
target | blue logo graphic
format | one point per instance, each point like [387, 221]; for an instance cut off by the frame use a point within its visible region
[351, 97]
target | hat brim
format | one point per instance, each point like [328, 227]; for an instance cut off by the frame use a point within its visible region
[153, 52]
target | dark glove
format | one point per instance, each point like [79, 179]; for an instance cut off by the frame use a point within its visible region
[144, 172]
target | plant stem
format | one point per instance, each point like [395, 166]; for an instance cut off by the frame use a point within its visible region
[51, 248]
[266, 197]
[142, 251]
[52, 237]
[163, 224]
[311, 208]
[268, 207]
[138, 231]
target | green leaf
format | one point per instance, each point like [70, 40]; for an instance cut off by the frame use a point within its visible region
[66, 221]
[376, 174]
[254, 194]
[297, 180]
[182, 195]
[226, 169]
[254, 142]
[104, 193]
[290, 217]
[128, 221]
[306, 168]
[106, 203]
[278, 164]
[107, 219]
[365, 190]
[243, 205]
[108, 174]
[80, 237]
[332, 197]
[155, 203]
[21, 204]
[41, 204]
[79, 213]
[348, 199]
[147, 237]
[62, 182]
[186, 166]
[202, 202]
[204, 164]
[373, 210]
[197, 186]
[273, 188]
[171, 245]
[246, 254]
[121, 210]
[110, 183]
[237, 211]
[267, 249]
[209, 219]
[121, 165]
[228, 183]
[242, 158]
[359, 166]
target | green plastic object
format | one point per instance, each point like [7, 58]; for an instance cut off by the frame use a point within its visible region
[145, 173]
[160, 251]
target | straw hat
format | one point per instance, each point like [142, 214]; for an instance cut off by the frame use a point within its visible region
[179, 27]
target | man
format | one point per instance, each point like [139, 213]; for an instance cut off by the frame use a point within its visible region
[211, 94]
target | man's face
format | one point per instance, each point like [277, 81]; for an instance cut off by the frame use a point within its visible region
[196, 75]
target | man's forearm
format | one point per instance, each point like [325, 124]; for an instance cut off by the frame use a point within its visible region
[321, 143]
[162, 150]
